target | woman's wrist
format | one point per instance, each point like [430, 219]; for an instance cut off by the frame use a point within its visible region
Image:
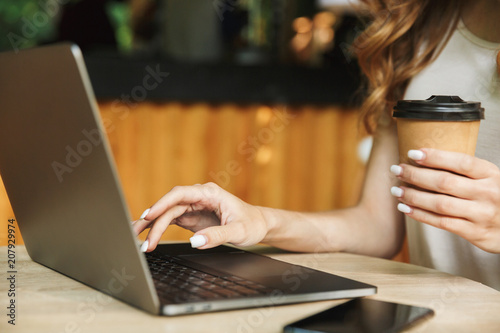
[270, 223]
[287, 229]
[277, 232]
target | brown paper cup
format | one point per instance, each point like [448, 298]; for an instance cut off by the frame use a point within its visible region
[442, 122]
[457, 136]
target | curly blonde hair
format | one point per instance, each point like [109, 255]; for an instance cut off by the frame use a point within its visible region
[402, 38]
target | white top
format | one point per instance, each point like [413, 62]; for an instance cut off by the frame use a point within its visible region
[467, 68]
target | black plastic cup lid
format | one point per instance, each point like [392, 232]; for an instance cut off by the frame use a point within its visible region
[440, 108]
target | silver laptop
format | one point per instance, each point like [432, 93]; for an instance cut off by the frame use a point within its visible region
[61, 180]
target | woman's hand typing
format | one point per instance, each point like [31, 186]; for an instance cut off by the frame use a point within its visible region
[215, 216]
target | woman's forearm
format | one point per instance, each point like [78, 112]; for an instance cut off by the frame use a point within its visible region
[347, 230]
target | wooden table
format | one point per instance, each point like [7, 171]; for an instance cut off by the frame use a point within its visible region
[47, 301]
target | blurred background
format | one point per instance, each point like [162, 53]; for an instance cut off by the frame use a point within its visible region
[226, 31]
[259, 96]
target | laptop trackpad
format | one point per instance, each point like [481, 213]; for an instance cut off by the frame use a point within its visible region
[244, 264]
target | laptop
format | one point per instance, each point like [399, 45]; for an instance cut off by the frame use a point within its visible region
[61, 180]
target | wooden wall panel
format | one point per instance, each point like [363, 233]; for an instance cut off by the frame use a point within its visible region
[298, 158]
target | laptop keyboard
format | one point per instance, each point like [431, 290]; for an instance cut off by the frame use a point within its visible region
[178, 283]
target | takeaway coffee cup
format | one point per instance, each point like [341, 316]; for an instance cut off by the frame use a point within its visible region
[442, 122]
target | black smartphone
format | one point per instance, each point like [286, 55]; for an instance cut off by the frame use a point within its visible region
[361, 315]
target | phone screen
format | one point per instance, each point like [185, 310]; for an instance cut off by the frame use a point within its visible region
[361, 315]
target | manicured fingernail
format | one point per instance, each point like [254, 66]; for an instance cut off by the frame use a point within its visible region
[396, 191]
[145, 213]
[396, 169]
[144, 246]
[416, 155]
[404, 208]
[198, 240]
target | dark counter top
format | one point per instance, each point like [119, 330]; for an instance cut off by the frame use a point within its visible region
[122, 78]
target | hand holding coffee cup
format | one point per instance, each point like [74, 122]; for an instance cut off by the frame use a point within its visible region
[449, 189]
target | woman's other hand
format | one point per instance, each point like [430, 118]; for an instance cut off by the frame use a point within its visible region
[458, 193]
